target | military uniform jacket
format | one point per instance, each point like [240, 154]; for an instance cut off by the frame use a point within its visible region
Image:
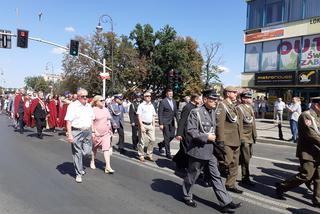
[229, 126]
[249, 133]
[200, 123]
[116, 111]
[308, 147]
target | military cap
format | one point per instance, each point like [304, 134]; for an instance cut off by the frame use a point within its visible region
[118, 96]
[210, 93]
[246, 94]
[315, 99]
[137, 94]
[231, 88]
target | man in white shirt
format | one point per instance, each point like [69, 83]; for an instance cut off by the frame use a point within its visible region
[294, 112]
[279, 106]
[146, 116]
[79, 120]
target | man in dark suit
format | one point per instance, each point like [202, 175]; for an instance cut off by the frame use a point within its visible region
[134, 119]
[166, 113]
[181, 158]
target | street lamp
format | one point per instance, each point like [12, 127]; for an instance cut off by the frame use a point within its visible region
[105, 19]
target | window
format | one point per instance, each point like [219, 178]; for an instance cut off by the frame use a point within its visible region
[312, 8]
[252, 60]
[273, 11]
[270, 56]
[294, 9]
[289, 50]
[255, 14]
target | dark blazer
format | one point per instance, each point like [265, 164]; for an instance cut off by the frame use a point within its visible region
[199, 146]
[133, 113]
[165, 113]
[182, 124]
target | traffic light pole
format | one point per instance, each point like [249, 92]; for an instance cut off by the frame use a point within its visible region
[103, 64]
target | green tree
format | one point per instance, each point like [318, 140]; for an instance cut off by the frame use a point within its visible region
[37, 83]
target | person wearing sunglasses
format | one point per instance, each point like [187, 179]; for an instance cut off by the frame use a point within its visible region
[79, 122]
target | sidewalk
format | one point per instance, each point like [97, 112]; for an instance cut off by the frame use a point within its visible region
[267, 132]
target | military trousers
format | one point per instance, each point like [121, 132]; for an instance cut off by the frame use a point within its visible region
[194, 169]
[308, 170]
[232, 164]
[135, 135]
[245, 156]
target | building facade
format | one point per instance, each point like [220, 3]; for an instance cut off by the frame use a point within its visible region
[282, 48]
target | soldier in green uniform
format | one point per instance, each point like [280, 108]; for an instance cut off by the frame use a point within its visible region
[248, 136]
[308, 152]
[228, 132]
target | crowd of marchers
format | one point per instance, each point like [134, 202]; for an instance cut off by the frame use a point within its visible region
[216, 133]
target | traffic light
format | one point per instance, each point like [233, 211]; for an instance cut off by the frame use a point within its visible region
[177, 81]
[22, 40]
[74, 47]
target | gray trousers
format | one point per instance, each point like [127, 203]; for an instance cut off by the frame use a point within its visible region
[82, 146]
[193, 172]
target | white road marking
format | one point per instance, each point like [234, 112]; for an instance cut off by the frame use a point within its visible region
[276, 161]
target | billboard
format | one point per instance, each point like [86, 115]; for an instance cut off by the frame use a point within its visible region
[275, 78]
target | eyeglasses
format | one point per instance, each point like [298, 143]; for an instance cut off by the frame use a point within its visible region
[84, 96]
[101, 100]
[147, 96]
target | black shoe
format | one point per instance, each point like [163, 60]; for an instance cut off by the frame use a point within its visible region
[247, 182]
[190, 203]
[160, 146]
[316, 204]
[229, 207]
[309, 185]
[21, 131]
[169, 156]
[279, 192]
[122, 151]
[234, 189]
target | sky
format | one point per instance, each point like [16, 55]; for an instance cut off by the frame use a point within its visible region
[206, 21]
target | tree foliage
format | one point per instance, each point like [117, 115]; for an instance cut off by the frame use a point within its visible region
[37, 83]
[140, 60]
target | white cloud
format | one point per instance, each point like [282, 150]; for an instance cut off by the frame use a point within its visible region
[57, 50]
[226, 70]
[69, 29]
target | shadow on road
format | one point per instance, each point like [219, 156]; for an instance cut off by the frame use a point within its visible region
[302, 211]
[36, 135]
[167, 187]
[66, 168]
[287, 166]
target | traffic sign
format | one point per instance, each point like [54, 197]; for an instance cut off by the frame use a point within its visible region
[105, 75]
[5, 40]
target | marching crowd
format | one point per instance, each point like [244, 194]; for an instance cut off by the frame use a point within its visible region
[216, 134]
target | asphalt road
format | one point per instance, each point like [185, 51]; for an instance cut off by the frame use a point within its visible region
[36, 176]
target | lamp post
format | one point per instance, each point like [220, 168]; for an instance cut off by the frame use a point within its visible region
[105, 19]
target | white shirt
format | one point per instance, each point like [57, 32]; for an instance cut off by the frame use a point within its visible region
[146, 112]
[279, 106]
[296, 111]
[80, 116]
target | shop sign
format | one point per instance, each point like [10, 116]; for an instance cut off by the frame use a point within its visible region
[306, 77]
[275, 78]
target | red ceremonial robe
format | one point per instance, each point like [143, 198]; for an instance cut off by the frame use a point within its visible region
[52, 113]
[27, 113]
[62, 122]
[17, 99]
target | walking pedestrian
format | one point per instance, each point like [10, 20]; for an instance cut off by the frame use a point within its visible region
[134, 121]
[279, 106]
[294, 110]
[166, 114]
[201, 127]
[39, 113]
[146, 116]
[79, 119]
[248, 137]
[308, 149]
[19, 109]
[102, 133]
[52, 108]
[181, 158]
[116, 109]
[229, 130]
